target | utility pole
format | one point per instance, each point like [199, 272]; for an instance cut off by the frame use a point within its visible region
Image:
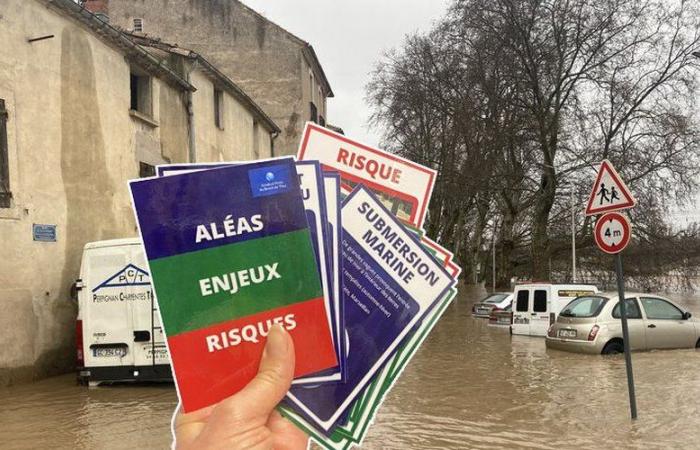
[573, 236]
[493, 260]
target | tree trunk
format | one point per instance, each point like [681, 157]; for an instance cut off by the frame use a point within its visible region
[540, 228]
[505, 251]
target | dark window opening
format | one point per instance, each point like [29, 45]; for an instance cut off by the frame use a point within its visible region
[146, 170]
[540, 303]
[314, 112]
[5, 194]
[141, 93]
[218, 108]
[522, 302]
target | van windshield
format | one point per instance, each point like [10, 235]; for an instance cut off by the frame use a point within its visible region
[588, 306]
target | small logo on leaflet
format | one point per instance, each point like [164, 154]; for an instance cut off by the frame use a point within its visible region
[269, 180]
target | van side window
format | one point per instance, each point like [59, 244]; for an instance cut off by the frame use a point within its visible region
[540, 304]
[631, 308]
[523, 300]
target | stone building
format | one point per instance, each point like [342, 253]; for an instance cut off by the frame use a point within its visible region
[280, 71]
[84, 107]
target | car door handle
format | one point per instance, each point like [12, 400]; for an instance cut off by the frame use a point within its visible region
[651, 326]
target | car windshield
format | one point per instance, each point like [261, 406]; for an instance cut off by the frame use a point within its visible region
[584, 307]
[494, 298]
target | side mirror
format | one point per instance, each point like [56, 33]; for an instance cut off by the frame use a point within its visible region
[76, 287]
[687, 315]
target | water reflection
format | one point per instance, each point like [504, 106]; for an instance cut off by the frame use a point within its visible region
[475, 386]
[471, 386]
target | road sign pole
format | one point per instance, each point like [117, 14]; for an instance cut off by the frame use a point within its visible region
[625, 335]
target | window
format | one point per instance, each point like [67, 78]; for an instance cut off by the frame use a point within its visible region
[5, 193]
[146, 170]
[138, 25]
[314, 112]
[540, 304]
[494, 298]
[523, 301]
[141, 94]
[661, 309]
[584, 307]
[311, 86]
[631, 308]
[219, 108]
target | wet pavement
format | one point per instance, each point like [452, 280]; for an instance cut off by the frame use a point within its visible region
[471, 386]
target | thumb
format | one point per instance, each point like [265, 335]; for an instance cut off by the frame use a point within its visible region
[274, 377]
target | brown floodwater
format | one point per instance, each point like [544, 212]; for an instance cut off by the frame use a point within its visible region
[470, 386]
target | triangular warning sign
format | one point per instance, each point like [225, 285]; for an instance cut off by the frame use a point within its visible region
[609, 192]
[128, 276]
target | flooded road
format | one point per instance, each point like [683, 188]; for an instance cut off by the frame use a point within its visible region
[470, 386]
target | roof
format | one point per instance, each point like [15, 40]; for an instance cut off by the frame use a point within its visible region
[307, 49]
[115, 37]
[210, 69]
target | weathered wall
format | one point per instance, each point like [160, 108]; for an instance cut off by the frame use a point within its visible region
[235, 140]
[263, 59]
[72, 146]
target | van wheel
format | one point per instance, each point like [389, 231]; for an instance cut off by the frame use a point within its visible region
[613, 347]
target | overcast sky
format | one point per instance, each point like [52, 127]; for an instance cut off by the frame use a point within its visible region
[349, 38]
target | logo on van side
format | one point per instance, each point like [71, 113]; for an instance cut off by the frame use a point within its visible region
[128, 276]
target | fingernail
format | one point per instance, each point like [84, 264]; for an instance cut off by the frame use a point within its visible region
[276, 345]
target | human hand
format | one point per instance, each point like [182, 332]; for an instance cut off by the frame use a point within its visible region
[248, 419]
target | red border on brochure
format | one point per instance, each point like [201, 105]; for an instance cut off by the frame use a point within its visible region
[421, 217]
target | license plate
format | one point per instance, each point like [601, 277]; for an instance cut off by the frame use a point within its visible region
[109, 352]
[505, 320]
[567, 333]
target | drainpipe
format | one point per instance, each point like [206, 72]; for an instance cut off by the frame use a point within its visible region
[273, 136]
[192, 150]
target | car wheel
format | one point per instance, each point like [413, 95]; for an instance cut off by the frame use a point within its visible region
[697, 344]
[613, 347]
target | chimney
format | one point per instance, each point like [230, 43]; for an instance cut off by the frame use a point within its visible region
[100, 8]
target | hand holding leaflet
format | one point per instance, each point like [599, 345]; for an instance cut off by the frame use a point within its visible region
[248, 419]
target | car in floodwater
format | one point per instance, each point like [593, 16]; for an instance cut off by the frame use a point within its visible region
[501, 317]
[496, 300]
[591, 324]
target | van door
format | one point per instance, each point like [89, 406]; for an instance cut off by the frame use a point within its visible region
[539, 314]
[521, 312]
[106, 316]
[148, 341]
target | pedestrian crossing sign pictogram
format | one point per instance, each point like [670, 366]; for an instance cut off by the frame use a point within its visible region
[609, 192]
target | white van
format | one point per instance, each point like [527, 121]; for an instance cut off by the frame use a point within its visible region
[536, 305]
[118, 332]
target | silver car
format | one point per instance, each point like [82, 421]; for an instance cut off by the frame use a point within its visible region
[499, 300]
[591, 324]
